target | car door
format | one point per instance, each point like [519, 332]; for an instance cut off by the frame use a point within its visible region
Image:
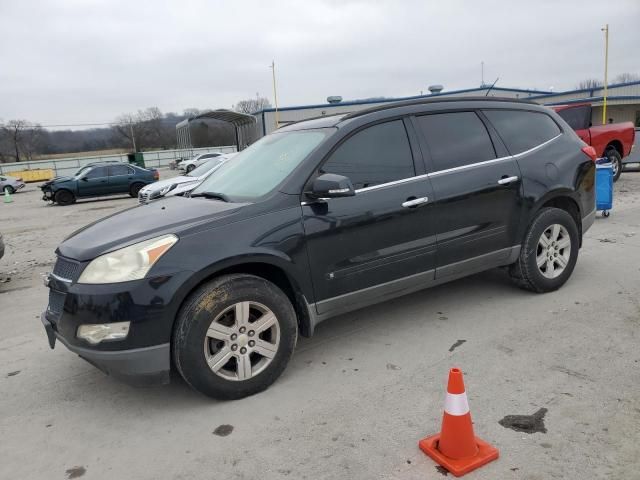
[477, 190]
[94, 182]
[381, 241]
[120, 177]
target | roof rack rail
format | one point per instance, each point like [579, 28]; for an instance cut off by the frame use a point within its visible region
[435, 99]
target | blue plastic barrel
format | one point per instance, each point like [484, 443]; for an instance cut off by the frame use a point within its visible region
[604, 187]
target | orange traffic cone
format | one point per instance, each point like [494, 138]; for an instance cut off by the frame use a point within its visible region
[456, 448]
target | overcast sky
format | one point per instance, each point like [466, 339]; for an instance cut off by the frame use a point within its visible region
[74, 61]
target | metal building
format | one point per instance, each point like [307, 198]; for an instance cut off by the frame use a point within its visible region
[623, 104]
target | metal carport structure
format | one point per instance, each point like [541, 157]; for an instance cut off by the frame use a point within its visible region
[244, 124]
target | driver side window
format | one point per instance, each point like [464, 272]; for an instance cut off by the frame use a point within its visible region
[375, 155]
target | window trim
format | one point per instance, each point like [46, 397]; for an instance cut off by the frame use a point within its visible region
[456, 169]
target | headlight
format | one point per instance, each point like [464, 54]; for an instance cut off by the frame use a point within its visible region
[164, 190]
[129, 263]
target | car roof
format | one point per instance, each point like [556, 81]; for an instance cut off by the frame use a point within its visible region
[468, 102]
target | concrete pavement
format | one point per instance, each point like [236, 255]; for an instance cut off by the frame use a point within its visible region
[356, 397]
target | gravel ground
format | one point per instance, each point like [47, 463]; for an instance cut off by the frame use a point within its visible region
[359, 395]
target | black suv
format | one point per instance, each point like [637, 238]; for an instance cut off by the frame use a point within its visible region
[319, 218]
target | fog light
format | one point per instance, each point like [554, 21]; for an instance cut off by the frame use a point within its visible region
[96, 333]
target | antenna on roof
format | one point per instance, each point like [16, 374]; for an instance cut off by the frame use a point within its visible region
[491, 87]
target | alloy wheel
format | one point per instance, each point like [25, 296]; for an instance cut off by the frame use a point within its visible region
[242, 341]
[554, 251]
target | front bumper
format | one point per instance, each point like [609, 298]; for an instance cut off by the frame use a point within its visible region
[149, 304]
[138, 366]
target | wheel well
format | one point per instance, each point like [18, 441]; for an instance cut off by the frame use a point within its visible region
[616, 145]
[279, 278]
[568, 205]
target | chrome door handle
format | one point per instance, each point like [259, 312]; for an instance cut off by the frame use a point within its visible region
[415, 202]
[508, 180]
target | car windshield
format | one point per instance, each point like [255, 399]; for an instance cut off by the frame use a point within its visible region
[260, 168]
[205, 167]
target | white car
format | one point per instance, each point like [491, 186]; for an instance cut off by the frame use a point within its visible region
[189, 165]
[182, 184]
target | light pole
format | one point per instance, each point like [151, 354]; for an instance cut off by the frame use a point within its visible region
[275, 93]
[606, 67]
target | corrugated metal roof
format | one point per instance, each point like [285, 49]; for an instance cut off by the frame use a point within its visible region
[235, 118]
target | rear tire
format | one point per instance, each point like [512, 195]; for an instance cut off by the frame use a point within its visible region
[134, 189]
[549, 252]
[190, 168]
[234, 336]
[64, 197]
[616, 161]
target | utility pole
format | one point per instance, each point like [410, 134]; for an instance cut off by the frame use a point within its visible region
[133, 138]
[606, 68]
[275, 93]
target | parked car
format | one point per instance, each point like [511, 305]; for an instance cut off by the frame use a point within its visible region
[97, 180]
[10, 184]
[613, 140]
[181, 184]
[189, 165]
[317, 219]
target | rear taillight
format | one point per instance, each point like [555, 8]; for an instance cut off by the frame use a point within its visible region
[156, 175]
[590, 152]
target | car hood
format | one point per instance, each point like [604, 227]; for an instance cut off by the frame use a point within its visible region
[56, 181]
[176, 215]
[159, 185]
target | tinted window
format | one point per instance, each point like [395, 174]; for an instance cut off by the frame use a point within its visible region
[375, 155]
[578, 118]
[118, 170]
[456, 139]
[96, 172]
[521, 130]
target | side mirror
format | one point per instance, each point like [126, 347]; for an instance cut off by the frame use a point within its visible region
[330, 185]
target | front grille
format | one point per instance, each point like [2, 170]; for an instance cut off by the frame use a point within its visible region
[143, 197]
[56, 304]
[66, 269]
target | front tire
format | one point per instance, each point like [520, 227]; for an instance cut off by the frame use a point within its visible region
[234, 336]
[549, 252]
[616, 162]
[9, 189]
[190, 168]
[64, 197]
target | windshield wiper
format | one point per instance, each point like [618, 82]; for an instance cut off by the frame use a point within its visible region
[213, 195]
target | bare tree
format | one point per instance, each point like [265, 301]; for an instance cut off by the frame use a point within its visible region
[143, 129]
[252, 105]
[626, 77]
[21, 139]
[589, 83]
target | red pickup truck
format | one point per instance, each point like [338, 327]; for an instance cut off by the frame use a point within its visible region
[614, 140]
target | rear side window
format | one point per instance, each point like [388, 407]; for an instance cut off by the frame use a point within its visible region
[115, 170]
[375, 155]
[522, 130]
[578, 118]
[456, 139]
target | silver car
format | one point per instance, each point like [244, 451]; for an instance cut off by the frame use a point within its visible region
[182, 184]
[10, 184]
